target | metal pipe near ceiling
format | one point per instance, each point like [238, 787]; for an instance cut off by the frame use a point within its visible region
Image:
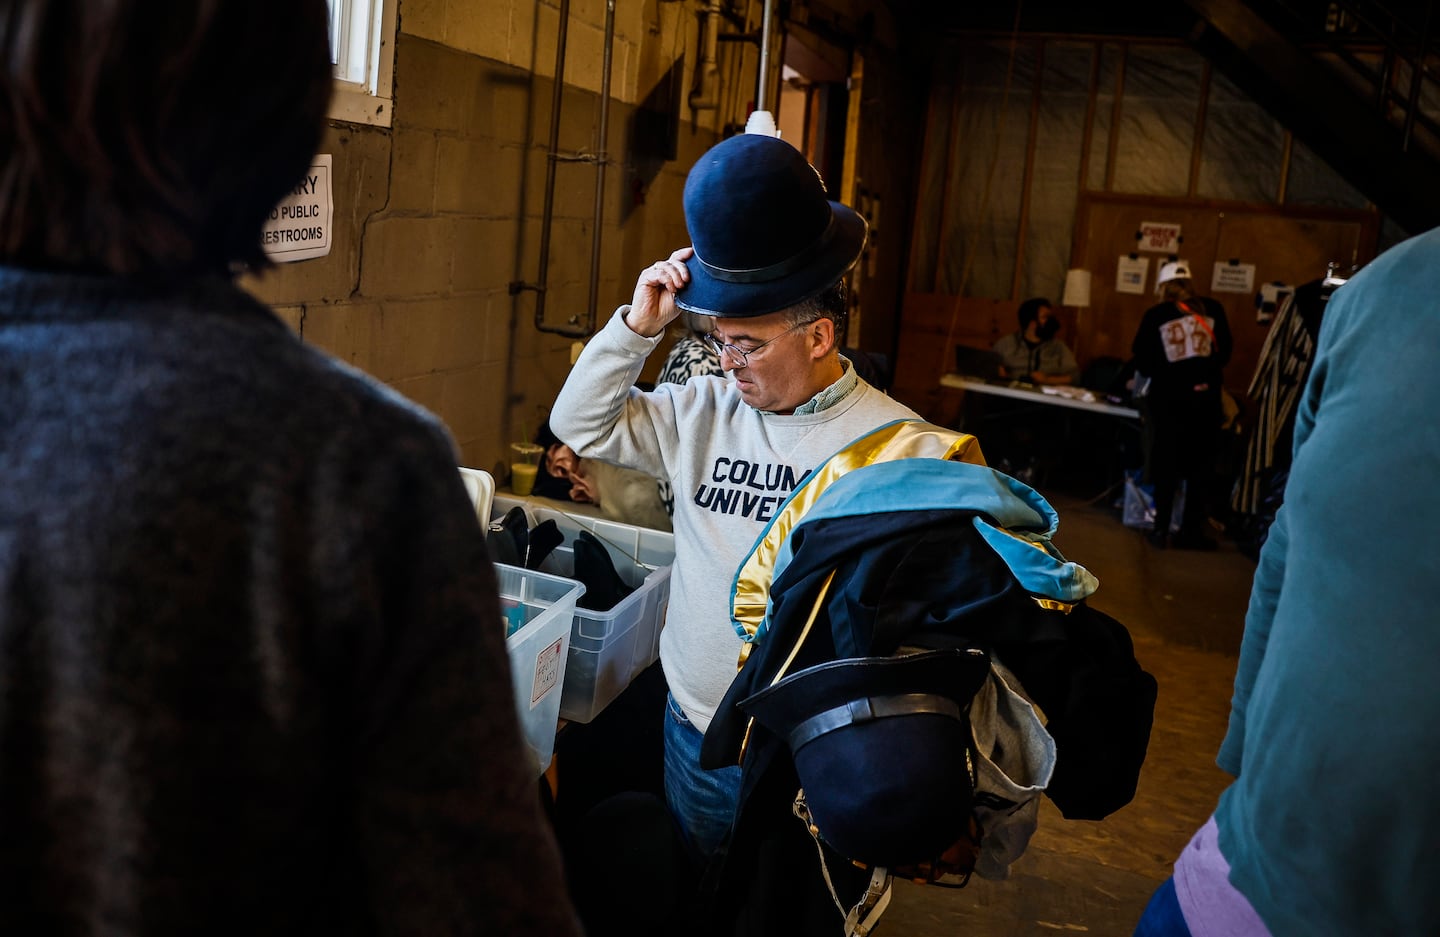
[705, 95]
[573, 328]
[761, 83]
[601, 158]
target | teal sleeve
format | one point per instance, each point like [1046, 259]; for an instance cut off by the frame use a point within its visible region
[1264, 595]
[1265, 592]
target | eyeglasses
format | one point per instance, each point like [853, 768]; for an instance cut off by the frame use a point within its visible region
[743, 354]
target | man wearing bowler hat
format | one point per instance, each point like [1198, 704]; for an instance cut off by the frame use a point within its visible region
[763, 283]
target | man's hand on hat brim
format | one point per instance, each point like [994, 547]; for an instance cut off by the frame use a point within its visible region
[653, 306]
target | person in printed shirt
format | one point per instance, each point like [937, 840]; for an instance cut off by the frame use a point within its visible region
[1182, 347]
[689, 357]
[764, 281]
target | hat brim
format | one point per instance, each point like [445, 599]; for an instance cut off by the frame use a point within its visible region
[952, 673]
[709, 295]
[886, 785]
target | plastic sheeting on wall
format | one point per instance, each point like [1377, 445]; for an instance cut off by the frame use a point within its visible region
[1157, 121]
[967, 229]
[1243, 149]
[1054, 183]
[987, 170]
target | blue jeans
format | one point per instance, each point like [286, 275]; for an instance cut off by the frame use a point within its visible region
[1163, 917]
[702, 802]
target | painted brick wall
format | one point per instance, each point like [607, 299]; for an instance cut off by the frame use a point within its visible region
[438, 215]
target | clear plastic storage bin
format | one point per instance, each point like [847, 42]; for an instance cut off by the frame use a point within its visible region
[538, 610]
[480, 486]
[607, 649]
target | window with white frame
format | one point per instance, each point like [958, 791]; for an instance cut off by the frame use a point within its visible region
[362, 51]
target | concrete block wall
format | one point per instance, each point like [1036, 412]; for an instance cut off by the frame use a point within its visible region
[436, 216]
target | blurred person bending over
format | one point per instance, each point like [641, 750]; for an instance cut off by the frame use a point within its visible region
[622, 495]
[252, 671]
[763, 284]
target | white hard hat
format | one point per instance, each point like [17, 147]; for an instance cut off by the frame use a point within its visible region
[1174, 270]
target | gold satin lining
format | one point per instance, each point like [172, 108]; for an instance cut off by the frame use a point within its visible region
[800, 641]
[1053, 605]
[908, 440]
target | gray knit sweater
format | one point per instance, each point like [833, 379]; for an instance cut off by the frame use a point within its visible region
[252, 672]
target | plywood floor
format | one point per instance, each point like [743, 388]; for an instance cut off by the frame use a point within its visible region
[1186, 613]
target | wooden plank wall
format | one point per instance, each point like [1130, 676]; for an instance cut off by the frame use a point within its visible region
[1286, 244]
[932, 325]
[1292, 245]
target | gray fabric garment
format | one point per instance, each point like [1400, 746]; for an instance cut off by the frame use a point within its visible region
[252, 671]
[1051, 357]
[628, 497]
[1017, 758]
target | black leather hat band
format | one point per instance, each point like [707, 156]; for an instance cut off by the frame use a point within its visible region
[774, 271]
[870, 708]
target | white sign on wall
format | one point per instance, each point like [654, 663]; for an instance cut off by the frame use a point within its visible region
[1162, 236]
[1233, 278]
[300, 226]
[1130, 274]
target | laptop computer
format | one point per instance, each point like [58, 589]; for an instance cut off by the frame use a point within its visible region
[978, 362]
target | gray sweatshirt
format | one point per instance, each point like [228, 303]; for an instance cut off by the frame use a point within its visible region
[730, 466]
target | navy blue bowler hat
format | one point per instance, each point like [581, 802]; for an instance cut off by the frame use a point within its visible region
[765, 235]
[882, 749]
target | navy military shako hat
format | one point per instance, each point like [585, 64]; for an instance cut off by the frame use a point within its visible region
[882, 747]
[765, 235]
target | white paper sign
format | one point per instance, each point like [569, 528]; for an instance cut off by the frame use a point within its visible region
[1131, 273]
[1162, 236]
[547, 672]
[300, 226]
[1233, 278]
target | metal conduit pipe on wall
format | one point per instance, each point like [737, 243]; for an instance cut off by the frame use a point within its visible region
[766, 18]
[574, 328]
[706, 93]
[602, 157]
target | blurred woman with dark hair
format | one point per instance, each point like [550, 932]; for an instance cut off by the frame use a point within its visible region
[252, 671]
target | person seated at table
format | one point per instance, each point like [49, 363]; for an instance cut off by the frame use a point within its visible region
[1033, 353]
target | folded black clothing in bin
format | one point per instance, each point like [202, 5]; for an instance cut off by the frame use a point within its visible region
[604, 589]
[509, 538]
[513, 542]
[544, 538]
